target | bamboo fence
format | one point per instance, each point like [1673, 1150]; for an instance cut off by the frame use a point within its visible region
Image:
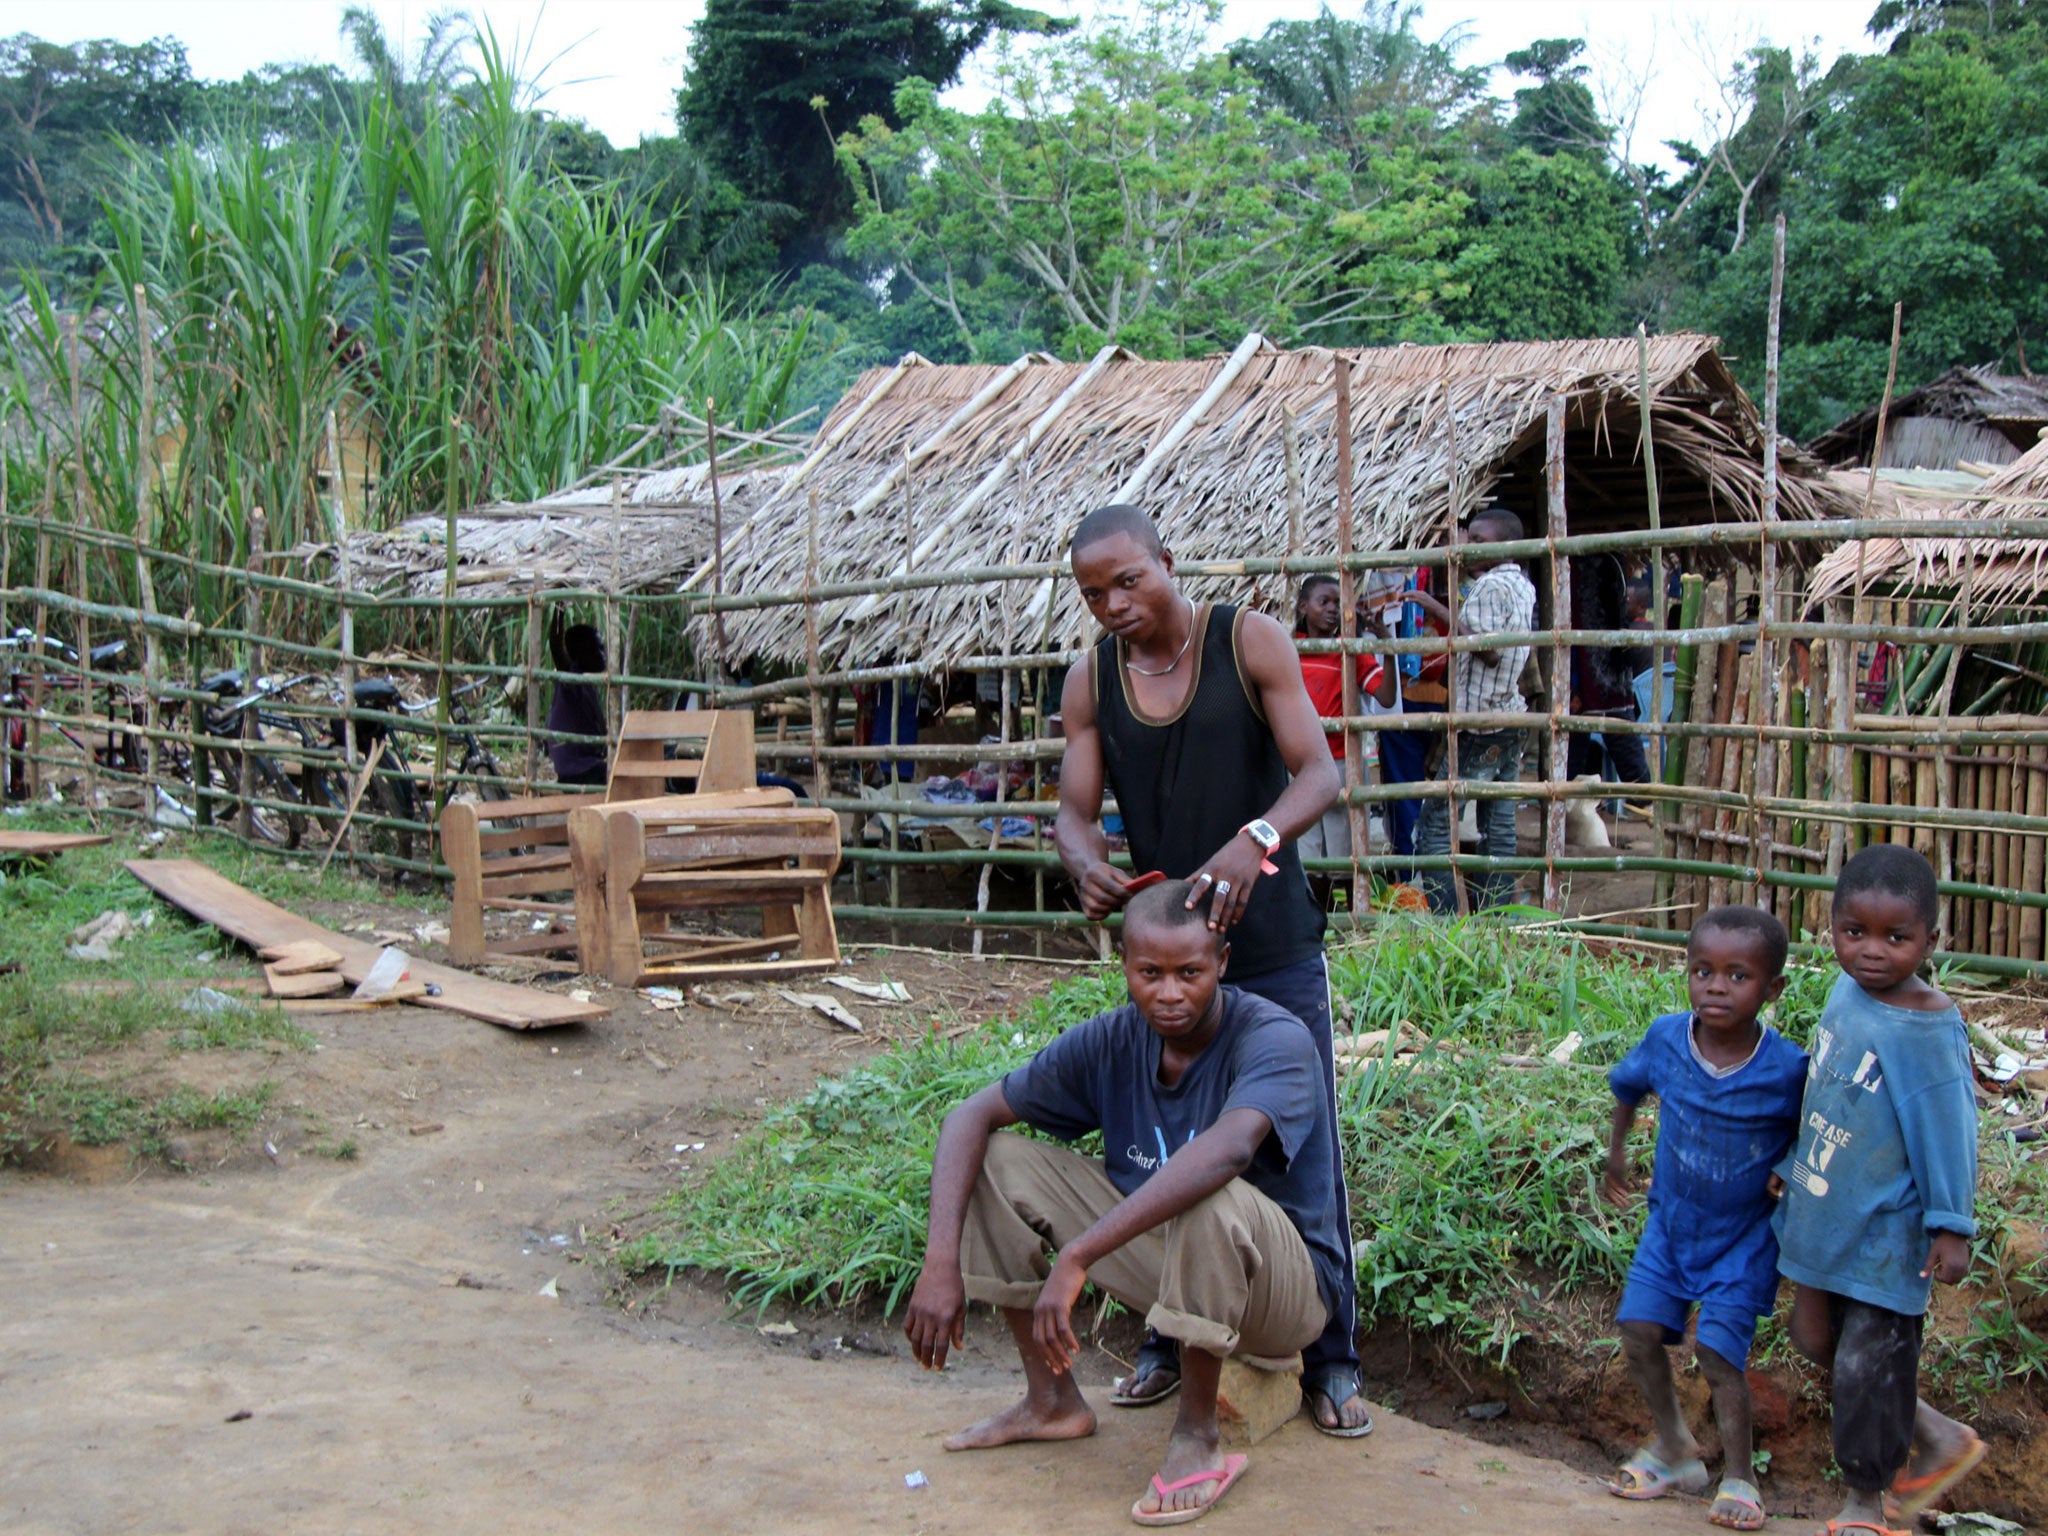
[125, 737]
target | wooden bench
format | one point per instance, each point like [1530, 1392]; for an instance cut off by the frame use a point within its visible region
[639, 864]
[513, 855]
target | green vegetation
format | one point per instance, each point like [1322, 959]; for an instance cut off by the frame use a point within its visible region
[65, 1023]
[1474, 1181]
[499, 301]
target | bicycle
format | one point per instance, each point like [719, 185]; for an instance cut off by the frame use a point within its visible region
[395, 789]
[279, 784]
[116, 748]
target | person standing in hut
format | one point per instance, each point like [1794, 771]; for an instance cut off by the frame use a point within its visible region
[576, 723]
[1196, 718]
[1501, 600]
[1318, 615]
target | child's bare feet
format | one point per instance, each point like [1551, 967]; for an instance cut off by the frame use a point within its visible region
[1066, 1417]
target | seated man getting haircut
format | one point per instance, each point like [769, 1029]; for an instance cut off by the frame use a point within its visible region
[1215, 1212]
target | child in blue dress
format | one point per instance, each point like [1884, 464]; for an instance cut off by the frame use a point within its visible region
[1727, 1089]
[1881, 1191]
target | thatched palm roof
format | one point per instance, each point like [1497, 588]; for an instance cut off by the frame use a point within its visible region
[565, 542]
[1966, 415]
[926, 468]
[1996, 573]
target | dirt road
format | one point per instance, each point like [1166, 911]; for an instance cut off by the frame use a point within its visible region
[358, 1346]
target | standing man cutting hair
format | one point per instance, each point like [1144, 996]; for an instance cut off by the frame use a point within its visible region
[1196, 717]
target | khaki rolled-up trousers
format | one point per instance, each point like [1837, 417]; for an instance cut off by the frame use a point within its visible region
[1230, 1276]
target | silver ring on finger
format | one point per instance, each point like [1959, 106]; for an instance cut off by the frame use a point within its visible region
[1222, 887]
[1205, 875]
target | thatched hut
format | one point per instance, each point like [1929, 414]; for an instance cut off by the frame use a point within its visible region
[925, 468]
[1966, 416]
[1993, 573]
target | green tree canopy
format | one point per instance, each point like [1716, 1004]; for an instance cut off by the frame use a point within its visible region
[61, 106]
[763, 72]
[1134, 184]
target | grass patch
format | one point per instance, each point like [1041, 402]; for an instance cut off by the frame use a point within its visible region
[96, 1112]
[1474, 1185]
[40, 904]
[47, 1028]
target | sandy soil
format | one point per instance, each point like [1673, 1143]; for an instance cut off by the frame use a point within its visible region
[307, 1344]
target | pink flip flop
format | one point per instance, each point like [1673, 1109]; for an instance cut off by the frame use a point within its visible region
[1232, 1468]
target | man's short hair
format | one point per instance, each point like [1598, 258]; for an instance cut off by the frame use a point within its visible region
[1107, 522]
[1165, 906]
[1495, 525]
[1755, 923]
[1310, 583]
[1892, 869]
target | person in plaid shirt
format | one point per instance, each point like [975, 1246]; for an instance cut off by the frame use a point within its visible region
[1501, 600]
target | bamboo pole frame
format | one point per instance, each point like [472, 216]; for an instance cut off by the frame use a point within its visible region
[271, 609]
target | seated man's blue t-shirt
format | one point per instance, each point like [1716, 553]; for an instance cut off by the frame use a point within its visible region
[1104, 1075]
[1887, 1151]
[1718, 1138]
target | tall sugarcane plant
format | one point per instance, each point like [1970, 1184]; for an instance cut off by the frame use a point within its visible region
[482, 324]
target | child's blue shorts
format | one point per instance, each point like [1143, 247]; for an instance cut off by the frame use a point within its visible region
[1731, 1297]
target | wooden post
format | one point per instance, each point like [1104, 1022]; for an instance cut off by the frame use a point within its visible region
[1347, 607]
[1692, 596]
[2034, 861]
[1764, 709]
[81, 565]
[252, 621]
[145, 544]
[346, 618]
[1841, 696]
[821, 735]
[1297, 508]
[717, 535]
[1657, 748]
[444, 698]
[1554, 528]
[1458, 889]
[615, 691]
[535, 651]
[42, 619]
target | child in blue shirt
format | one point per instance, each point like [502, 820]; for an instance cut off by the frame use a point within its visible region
[1727, 1089]
[1881, 1190]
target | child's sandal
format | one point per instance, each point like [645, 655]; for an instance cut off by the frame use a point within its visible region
[1737, 1506]
[1646, 1475]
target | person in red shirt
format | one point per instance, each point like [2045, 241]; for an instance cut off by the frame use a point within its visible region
[1318, 615]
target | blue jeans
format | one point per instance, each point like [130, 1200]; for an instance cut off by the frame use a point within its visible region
[1303, 989]
[1489, 757]
[1404, 759]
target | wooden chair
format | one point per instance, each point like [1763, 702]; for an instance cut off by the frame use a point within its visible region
[639, 863]
[513, 855]
[641, 765]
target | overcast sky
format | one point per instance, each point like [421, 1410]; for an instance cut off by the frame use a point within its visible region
[616, 63]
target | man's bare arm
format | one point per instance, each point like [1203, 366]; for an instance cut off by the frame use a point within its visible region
[1077, 834]
[1272, 671]
[1273, 668]
[937, 1316]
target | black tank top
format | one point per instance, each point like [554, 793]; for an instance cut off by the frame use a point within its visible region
[1186, 785]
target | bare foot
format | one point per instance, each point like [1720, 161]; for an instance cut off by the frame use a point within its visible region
[1186, 1454]
[1062, 1420]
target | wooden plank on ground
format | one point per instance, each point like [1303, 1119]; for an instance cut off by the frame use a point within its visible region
[300, 956]
[303, 983]
[242, 914]
[36, 845]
